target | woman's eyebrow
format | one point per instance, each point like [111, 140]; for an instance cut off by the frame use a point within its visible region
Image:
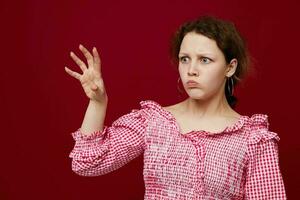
[198, 54]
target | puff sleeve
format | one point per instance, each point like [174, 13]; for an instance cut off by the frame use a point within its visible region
[113, 147]
[263, 176]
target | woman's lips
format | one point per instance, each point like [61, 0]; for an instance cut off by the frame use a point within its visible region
[191, 83]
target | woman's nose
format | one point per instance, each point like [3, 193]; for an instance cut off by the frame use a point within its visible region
[192, 70]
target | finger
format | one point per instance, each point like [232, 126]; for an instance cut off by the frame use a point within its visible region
[97, 60]
[87, 55]
[78, 61]
[72, 73]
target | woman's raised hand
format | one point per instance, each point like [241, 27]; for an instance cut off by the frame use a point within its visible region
[91, 79]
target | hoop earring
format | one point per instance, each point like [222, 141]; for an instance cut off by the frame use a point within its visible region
[230, 86]
[178, 86]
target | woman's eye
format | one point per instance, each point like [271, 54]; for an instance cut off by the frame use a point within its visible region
[205, 60]
[184, 59]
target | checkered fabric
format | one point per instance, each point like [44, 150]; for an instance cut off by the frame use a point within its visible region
[240, 162]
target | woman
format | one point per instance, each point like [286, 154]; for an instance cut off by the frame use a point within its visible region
[200, 148]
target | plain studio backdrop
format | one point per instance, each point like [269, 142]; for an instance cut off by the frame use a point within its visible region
[41, 105]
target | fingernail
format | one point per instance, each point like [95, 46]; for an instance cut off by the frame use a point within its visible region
[80, 45]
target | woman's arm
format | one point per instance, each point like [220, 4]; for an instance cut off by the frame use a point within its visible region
[98, 149]
[264, 179]
[94, 117]
[93, 85]
[104, 151]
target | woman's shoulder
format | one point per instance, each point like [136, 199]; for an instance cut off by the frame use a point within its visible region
[152, 107]
[155, 105]
[149, 107]
[148, 103]
[258, 121]
[258, 126]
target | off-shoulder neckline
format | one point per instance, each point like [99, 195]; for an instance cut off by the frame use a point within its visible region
[255, 120]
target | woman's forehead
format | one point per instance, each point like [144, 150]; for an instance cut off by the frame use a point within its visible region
[198, 43]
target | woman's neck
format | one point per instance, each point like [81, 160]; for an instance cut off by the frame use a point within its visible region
[208, 108]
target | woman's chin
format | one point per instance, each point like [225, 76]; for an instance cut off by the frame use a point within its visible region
[196, 96]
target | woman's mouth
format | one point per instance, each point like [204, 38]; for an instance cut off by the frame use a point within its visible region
[192, 83]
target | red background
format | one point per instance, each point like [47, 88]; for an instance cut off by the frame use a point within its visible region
[41, 105]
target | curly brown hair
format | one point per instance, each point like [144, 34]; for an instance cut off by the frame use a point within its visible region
[228, 39]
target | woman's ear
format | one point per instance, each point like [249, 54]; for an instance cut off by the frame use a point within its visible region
[231, 67]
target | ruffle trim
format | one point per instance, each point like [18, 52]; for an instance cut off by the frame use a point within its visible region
[257, 119]
[77, 135]
[258, 124]
[259, 129]
[157, 107]
[153, 105]
[262, 136]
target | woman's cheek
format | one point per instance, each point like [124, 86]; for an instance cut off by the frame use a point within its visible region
[214, 82]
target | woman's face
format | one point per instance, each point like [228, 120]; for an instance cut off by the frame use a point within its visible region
[203, 64]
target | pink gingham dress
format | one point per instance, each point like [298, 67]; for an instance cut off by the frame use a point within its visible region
[240, 162]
